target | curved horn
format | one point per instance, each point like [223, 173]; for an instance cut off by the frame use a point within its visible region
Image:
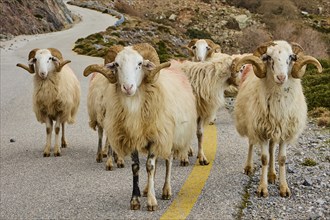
[192, 42]
[262, 49]
[100, 69]
[215, 47]
[302, 61]
[153, 75]
[27, 68]
[296, 48]
[112, 53]
[259, 67]
[148, 52]
[31, 56]
[56, 53]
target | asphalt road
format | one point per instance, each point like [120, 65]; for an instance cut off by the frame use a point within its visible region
[74, 186]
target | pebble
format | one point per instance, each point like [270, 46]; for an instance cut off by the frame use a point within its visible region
[12, 140]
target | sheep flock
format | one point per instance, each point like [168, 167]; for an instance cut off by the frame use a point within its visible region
[144, 107]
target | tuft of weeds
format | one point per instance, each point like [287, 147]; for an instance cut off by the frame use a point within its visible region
[309, 162]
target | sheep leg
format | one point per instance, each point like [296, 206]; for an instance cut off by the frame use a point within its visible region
[284, 189]
[135, 200]
[167, 190]
[105, 150]
[63, 141]
[57, 148]
[263, 185]
[271, 171]
[151, 198]
[248, 170]
[200, 155]
[49, 129]
[190, 152]
[99, 154]
[145, 191]
[109, 163]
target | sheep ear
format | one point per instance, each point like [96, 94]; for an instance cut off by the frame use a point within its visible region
[148, 65]
[112, 66]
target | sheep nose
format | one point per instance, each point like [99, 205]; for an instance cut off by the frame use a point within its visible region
[281, 78]
[128, 87]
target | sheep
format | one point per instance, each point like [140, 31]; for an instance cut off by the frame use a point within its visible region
[202, 49]
[148, 109]
[96, 108]
[270, 107]
[209, 81]
[56, 94]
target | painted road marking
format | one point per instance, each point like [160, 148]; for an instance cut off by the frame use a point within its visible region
[192, 188]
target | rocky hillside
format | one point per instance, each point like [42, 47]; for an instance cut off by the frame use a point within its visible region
[237, 27]
[33, 17]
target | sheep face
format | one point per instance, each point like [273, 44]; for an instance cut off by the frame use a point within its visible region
[279, 60]
[201, 50]
[44, 63]
[129, 68]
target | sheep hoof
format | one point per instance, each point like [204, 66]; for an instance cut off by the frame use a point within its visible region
[213, 122]
[152, 207]
[184, 163]
[64, 144]
[135, 203]
[166, 196]
[285, 191]
[99, 158]
[57, 154]
[108, 168]
[248, 170]
[105, 155]
[272, 178]
[262, 191]
[120, 165]
[204, 162]
[46, 154]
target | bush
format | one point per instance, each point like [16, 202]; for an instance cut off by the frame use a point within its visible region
[317, 87]
[194, 33]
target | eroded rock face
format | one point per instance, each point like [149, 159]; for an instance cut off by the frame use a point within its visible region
[33, 16]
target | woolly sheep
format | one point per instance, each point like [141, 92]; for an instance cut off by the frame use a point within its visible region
[96, 104]
[270, 107]
[149, 110]
[56, 94]
[202, 49]
[209, 81]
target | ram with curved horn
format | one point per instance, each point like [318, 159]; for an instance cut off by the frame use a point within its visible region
[270, 108]
[56, 94]
[149, 109]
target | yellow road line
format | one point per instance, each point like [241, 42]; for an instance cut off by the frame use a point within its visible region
[188, 195]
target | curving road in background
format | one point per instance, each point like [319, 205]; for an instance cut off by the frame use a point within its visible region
[74, 186]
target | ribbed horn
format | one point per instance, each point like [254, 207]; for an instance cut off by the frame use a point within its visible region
[112, 53]
[153, 75]
[259, 67]
[262, 49]
[100, 69]
[56, 53]
[31, 56]
[296, 48]
[302, 61]
[148, 52]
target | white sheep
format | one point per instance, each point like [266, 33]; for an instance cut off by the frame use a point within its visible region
[148, 111]
[56, 94]
[209, 81]
[270, 107]
[203, 49]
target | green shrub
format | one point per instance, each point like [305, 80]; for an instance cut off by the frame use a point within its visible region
[317, 87]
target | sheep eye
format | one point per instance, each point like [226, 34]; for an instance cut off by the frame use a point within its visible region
[116, 64]
[266, 58]
[140, 63]
[293, 57]
[193, 47]
[208, 48]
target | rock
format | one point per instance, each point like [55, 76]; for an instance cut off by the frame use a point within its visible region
[307, 182]
[242, 20]
[172, 17]
[12, 140]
